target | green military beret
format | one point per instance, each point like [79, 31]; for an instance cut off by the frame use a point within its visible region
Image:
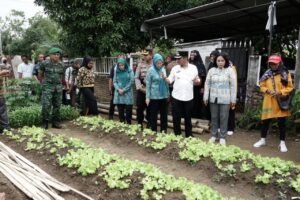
[54, 50]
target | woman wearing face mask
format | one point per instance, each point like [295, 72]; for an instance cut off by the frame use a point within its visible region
[86, 81]
[220, 92]
[157, 94]
[276, 81]
[123, 96]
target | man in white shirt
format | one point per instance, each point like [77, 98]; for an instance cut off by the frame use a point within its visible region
[185, 76]
[25, 69]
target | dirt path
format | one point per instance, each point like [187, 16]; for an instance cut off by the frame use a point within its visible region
[177, 168]
[245, 140]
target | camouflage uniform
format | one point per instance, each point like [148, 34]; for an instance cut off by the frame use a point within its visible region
[51, 89]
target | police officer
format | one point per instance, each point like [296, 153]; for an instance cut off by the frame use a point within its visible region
[140, 83]
[52, 71]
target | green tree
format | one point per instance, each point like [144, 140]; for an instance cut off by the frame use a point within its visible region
[103, 27]
[38, 36]
[12, 29]
[41, 34]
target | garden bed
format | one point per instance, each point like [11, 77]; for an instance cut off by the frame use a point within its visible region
[269, 178]
[111, 178]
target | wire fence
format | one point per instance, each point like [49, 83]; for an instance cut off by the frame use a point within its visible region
[103, 65]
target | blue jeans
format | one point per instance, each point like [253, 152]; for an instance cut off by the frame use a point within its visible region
[219, 119]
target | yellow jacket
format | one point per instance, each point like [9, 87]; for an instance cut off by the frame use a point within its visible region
[270, 108]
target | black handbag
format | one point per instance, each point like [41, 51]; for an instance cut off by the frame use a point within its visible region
[284, 102]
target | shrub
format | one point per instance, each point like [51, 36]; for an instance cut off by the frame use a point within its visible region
[32, 115]
[22, 93]
[250, 119]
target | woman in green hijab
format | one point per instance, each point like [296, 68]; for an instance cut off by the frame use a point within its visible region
[123, 96]
[157, 94]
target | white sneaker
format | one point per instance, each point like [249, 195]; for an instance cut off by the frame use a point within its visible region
[222, 141]
[229, 132]
[282, 147]
[260, 143]
[219, 130]
[212, 139]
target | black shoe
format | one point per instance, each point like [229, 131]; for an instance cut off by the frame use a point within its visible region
[56, 125]
[45, 124]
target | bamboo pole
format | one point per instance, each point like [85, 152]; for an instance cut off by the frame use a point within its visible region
[33, 171]
[21, 184]
[39, 182]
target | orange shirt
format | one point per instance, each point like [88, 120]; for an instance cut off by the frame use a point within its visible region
[270, 108]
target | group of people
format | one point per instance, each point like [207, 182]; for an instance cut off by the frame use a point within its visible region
[186, 82]
[181, 80]
[70, 83]
[183, 83]
[77, 80]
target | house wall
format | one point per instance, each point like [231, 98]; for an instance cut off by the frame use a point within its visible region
[204, 48]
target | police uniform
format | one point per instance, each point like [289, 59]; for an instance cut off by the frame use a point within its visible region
[140, 83]
[51, 89]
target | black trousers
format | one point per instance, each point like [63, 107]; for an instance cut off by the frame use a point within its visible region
[197, 110]
[111, 105]
[122, 108]
[4, 123]
[231, 120]
[182, 109]
[141, 106]
[90, 101]
[281, 125]
[161, 106]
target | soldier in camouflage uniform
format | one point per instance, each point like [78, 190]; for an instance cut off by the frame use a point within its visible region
[52, 72]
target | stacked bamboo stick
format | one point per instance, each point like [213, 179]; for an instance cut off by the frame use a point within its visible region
[31, 179]
[199, 126]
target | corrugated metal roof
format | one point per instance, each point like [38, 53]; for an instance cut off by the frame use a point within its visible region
[225, 18]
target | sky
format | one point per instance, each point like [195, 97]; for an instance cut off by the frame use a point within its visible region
[27, 6]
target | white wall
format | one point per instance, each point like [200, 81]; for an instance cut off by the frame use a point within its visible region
[204, 48]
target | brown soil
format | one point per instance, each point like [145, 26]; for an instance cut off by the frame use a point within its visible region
[91, 185]
[246, 139]
[203, 172]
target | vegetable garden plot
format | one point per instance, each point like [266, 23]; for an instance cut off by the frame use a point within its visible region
[110, 173]
[272, 176]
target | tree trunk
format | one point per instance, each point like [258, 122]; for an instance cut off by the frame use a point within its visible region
[297, 67]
